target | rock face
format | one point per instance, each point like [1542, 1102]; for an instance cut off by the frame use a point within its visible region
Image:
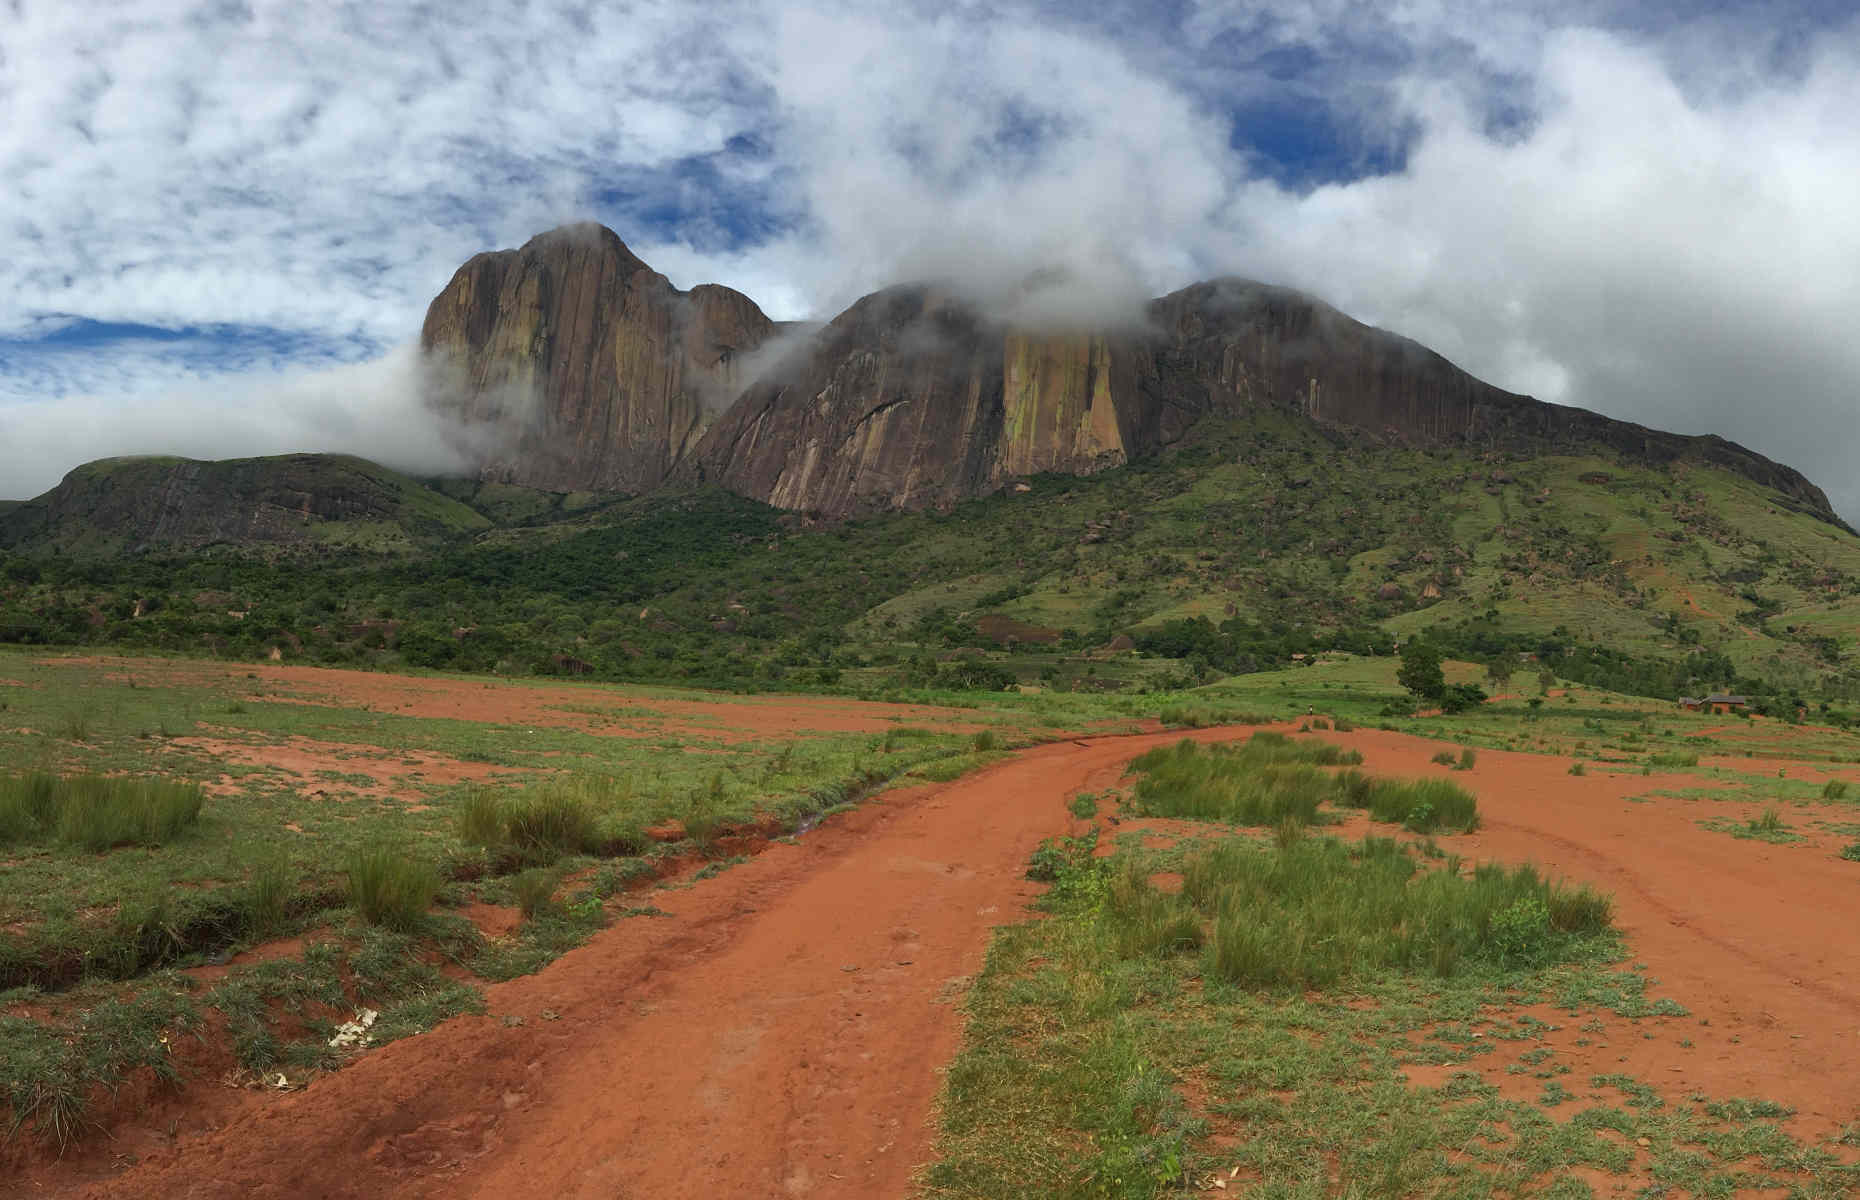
[594, 372]
[911, 399]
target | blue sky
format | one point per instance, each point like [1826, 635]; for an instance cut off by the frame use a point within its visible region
[223, 220]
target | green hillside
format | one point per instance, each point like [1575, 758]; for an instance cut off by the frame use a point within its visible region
[1254, 541]
[286, 504]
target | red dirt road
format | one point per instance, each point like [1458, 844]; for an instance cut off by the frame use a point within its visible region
[782, 1034]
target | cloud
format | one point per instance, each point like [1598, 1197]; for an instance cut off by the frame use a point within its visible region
[378, 409]
[1639, 209]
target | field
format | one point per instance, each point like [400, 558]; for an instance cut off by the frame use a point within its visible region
[674, 935]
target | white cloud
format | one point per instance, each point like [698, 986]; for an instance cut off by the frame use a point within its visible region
[1650, 221]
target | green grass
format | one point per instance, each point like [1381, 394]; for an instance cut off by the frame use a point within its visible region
[392, 887]
[1834, 789]
[1123, 1047]
[96, 812]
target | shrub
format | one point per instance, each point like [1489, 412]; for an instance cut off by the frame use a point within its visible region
[1851, 852]
[1084, 806]
[1834, 789]
[390, 887]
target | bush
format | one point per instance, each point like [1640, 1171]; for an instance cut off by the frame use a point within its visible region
[391, 888]
[1084, 806]
[1834, 789]
[1851, 852]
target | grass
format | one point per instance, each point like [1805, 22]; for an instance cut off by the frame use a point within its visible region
[1256, 1028]
[1834, 789]
[391, 887]
[96, 812]
[1270, 779]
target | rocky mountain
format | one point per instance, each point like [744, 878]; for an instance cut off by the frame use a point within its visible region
[596, 372]
[912, 399]
[283, 504]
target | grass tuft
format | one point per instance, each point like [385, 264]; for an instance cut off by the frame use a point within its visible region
[96, 812]
[390, 888]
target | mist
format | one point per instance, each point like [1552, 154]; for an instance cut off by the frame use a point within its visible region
[387, 410]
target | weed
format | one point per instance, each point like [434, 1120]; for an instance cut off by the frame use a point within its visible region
[1084, 806]
[1851, 852]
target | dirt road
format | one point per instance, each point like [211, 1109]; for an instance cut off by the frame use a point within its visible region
[782, 1033]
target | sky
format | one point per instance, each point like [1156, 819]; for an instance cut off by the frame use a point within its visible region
[221, 220]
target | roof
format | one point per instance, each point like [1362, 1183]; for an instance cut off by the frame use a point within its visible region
[1724, 698]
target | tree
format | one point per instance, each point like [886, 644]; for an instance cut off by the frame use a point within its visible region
[1420, 671]
[1499, 670]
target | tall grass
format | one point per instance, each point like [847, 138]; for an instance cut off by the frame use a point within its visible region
[1317, 911]
[567, 814]
[1423, 805]
[1834, 789]
[390, 887]
[1271, 778]
[1674, 758]
[96, 812]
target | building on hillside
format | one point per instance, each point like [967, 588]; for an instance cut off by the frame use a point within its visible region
[1691, 703]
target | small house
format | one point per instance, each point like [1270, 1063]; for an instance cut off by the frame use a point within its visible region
[1721, 702]
[1692, 703]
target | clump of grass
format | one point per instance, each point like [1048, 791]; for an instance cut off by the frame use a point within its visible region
[1084, 806]
[985, 740]
[1422, 805]
[96, 812]
[1674, 758]
[535, 891]
[391, 888]
[1317, 912]
[1834, 789]
[1770, 822]
[269, 891]
[1444, 758]
[1469, 758]
[1578, 769]
[567, 814]
[1851, 852]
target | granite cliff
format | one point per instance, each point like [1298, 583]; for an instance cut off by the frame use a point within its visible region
[912, 399]
[599, 373]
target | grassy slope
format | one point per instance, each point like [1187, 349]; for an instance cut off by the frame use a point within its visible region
[1267, 518]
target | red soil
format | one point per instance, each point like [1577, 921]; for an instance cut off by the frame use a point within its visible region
[591, 708]
[783, 1033]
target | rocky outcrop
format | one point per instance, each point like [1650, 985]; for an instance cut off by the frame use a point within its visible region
[911, 399]
[591, 371]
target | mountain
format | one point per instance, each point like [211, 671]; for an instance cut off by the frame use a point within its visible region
[912, 398]
[285, 504]
[596, 371]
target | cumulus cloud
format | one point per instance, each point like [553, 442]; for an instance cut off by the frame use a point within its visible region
[1642, 211]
